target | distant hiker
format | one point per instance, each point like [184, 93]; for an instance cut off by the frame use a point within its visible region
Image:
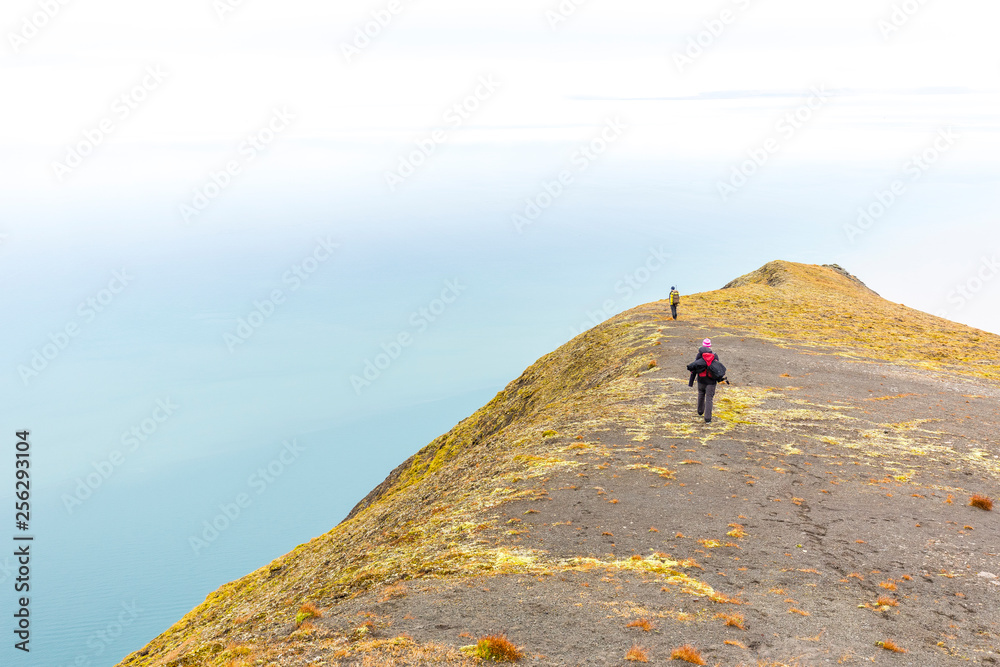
[709, 370]
[675, 300]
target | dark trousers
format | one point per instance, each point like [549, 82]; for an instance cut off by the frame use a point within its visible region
[706, 393]
[673, 310]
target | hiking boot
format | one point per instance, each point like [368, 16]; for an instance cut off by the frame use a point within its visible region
[708, 420]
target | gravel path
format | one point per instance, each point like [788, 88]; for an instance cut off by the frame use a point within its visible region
[846, 481]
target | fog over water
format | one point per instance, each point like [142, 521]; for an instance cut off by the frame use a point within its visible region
[248, 265]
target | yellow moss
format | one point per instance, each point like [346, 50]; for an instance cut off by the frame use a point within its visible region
[803, 304]
[433, 519]
[662, 472]
[734, 403]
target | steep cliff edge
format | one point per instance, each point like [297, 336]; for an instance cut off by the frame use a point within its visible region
[825, 510]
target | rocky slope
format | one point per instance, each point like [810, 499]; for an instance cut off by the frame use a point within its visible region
[586, 511]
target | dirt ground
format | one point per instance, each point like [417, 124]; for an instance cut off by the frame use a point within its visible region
[845, 482]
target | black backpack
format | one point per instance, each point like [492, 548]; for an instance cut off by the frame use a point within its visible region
[699, 366]
[716, 371]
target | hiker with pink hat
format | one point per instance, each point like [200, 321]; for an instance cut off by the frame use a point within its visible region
[709, 371]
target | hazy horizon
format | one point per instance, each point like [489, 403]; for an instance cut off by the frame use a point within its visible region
[217, 216]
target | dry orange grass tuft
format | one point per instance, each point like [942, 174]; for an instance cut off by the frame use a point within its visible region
[497, 648]
[394, 591]
[307, 611]
[637, 654]
[364, 631]
[982, 502]
[732, 620]
[687, 653]
[888, 585]
[793, 610]
[642, 623]
[889, 645]
[733, 642]
[886, 601]
[737, 531]
[310, 608]
[722, 598]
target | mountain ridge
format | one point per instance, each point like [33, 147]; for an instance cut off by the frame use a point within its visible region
[779, 272]
[464, 515]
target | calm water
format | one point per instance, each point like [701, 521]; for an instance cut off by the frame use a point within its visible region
[146, 426]
[442, 269]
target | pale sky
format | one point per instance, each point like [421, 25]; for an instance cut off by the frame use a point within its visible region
[713, 136]
[893, 81]
[224, 74]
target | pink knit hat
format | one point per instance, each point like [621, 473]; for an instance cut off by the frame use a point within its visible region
[707, 342]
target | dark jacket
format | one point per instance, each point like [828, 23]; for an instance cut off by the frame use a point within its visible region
[706, 379]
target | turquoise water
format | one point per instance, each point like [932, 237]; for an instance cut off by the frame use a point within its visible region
[203, 396]
[168, 460]
[123, 563]
[203, 420]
